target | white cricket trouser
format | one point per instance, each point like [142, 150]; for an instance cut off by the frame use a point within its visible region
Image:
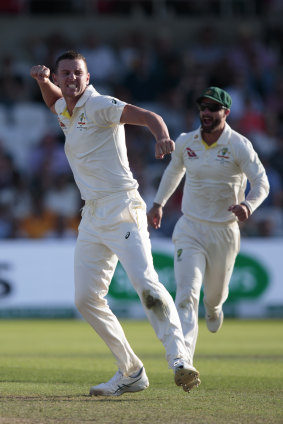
[204, 254]
[115, 228]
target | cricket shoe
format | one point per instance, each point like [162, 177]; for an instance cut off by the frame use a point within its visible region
[214, 321]
[120, 384]
[185, 375]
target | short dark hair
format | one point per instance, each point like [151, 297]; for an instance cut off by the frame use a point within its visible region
[70, 55]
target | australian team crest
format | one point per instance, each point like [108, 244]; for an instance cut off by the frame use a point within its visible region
[223, 154]
[82, 122]
[179, 255]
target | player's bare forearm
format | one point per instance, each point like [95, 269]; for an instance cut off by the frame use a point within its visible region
[154, 122]
[50, 94]
[154, 216]
[49, 91]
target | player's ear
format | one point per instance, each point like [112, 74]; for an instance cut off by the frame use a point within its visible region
[54, 79]
[227, 112]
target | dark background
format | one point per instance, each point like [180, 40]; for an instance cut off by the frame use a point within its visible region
[155, 54]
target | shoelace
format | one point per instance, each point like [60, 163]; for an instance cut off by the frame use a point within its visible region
[115, 377]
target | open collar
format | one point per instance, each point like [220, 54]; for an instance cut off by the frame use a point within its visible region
[89, 91]
[223, 139]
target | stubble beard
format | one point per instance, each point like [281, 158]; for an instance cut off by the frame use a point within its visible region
[215, 124]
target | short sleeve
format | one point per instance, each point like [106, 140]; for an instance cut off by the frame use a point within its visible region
[106, 110]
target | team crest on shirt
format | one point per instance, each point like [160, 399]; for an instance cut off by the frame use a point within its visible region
[223, 154]
[179, 255]
[191, 153]
[81, 125]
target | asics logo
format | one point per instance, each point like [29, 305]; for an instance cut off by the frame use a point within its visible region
[124, 386]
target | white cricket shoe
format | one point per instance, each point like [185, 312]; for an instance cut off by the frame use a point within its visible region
[185, 375]
[214, 321]
[120, 384]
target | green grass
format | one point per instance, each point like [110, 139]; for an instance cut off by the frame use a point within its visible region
[47, 367]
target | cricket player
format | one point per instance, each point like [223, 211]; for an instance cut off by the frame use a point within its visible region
[216, 162]
[114, 221]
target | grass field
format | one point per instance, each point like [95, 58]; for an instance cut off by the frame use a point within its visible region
[47, 367]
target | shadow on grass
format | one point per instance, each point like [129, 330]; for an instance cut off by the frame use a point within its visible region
[79, 397]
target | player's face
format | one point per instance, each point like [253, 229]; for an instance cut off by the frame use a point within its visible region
[72, 77]
[212, 115]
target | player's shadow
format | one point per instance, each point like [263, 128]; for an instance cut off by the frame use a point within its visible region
[71, 398]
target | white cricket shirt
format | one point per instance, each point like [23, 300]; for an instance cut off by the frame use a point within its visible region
[216, 176]
[95, 145]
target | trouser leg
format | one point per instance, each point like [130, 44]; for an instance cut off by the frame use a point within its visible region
[135, 255]
[223, 247]
[94, 268]
[189, 267]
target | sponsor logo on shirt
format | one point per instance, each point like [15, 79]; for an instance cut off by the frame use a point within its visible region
[62, 125]
[191, 153]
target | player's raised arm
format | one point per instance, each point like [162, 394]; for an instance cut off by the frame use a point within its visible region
[50, 92]
[137, 116]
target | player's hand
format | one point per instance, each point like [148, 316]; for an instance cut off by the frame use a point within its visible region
[241, 211]
[154, 216]
[163, 147]
[40, 73]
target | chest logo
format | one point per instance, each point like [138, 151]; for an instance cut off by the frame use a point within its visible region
[191, 153]
[223, 153]
[62, 125]
[82, 122]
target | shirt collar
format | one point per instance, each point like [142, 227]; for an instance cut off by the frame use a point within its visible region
[225, 136]
[223, 139]
[89, 91]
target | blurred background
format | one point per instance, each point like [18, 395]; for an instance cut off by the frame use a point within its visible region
[157, 54]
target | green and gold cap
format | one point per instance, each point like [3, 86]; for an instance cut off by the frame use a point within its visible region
[218, 95]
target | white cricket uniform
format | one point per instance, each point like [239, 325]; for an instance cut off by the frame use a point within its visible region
[207, 236]
[113, 226]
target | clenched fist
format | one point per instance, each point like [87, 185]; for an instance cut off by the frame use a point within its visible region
[241, 211]
[40, 73]
[163, 147]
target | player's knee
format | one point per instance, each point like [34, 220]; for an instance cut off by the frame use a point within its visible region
[84, 299]
[187, 301]
[156, 302]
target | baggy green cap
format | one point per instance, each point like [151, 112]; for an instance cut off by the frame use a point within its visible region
[218, 95]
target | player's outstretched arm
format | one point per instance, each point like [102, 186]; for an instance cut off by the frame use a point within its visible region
[50, 92]
[137, 116]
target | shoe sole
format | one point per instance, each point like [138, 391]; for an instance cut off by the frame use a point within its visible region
[118, 392]
[186, 378]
